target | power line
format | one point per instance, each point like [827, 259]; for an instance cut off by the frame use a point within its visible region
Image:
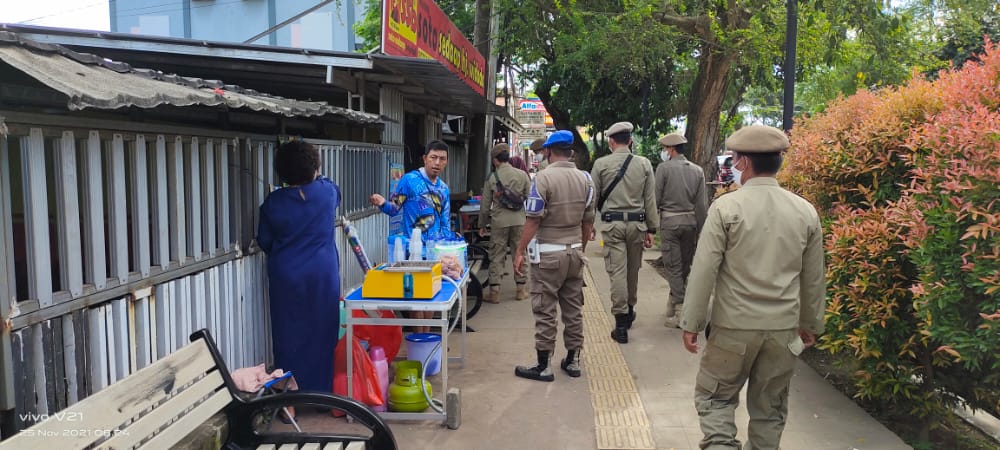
[81, 8]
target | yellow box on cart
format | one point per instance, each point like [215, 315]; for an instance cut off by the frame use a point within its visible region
[403, 280]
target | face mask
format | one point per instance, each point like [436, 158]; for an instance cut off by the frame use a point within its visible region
[664, 156]
[539, 157]
[737, 176]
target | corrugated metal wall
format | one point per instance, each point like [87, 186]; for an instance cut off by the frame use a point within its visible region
[120, 239]
[391, 106]
[360, 170]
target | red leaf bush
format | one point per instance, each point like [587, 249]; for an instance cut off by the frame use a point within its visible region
[908, 183]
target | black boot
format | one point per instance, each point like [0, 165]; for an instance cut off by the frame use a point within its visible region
[620, 333]
[631, 316]
[540, 372]
[571, 365]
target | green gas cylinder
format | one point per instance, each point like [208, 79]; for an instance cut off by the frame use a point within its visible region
[405, 394]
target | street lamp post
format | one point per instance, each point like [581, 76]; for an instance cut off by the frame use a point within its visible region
[791, 29]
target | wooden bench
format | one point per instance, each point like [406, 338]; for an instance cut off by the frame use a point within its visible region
[160, 405]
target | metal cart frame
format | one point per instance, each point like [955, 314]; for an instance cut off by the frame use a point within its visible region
[353, 301]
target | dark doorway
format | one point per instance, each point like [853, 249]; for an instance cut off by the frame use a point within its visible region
[413, 125]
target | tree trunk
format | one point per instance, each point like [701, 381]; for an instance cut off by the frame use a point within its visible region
[705, 108]
[561, 120]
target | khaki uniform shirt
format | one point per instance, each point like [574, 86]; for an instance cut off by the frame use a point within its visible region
[634, 193]
[563, 197]
[680, 188]
[542, 164]
[490, 211]
[761, 252]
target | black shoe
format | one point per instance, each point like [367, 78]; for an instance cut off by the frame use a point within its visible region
[540, 372]
[620, 333]
[631, 316]
[571, 365]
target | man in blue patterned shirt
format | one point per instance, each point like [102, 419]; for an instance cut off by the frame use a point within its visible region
[421, 199]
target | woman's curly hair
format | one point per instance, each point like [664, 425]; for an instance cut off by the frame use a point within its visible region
[296, 162]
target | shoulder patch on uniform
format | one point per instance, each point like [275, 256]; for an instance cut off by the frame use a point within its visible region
[535, 204]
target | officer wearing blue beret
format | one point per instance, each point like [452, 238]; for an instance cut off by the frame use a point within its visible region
[560, 211]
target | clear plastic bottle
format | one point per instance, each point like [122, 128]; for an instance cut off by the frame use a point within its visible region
[416, 245]
[398, 253]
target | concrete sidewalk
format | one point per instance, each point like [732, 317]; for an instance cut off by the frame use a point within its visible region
[819, 416]
[648, 401]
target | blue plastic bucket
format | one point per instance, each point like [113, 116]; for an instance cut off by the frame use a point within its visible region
[420, 345]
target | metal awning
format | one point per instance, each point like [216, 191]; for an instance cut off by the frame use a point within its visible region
[89, 81]
[442, 88]
[301, 73]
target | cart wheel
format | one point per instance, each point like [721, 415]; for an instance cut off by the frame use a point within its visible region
[454, 410]
[474, 296]
[478, 252]
[473, 301]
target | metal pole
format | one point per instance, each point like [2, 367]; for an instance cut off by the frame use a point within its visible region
[288, 21]
[791, 29]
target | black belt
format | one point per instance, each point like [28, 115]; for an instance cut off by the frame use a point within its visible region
[623, 217]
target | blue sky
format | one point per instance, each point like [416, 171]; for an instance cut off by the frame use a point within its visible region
[81, 14]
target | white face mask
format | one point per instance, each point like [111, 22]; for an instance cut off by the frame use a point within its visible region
[737, 176]
[664, 156]
[539, 157]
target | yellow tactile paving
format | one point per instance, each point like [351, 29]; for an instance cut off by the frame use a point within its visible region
[619, 415]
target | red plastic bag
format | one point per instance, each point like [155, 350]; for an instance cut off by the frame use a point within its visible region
[365, 379]
[389, 337]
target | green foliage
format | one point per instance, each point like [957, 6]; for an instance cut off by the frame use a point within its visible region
[906, 180]
[958, 26]
[603, 61]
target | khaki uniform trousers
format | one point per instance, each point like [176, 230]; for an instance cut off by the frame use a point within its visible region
[502, 239]
[731, 358]
[678, 242]
[622, 258]
[558, 280]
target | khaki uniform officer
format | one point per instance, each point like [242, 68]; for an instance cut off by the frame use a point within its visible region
[560, 209]
[506, 224]
[628, 222]
[682, 203]
[761, 252]
[536, 146]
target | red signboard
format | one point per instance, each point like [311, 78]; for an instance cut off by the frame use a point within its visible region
[418, 28]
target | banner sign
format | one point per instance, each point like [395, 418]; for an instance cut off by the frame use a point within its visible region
[419, 29]
[532, 133]
[529, 108]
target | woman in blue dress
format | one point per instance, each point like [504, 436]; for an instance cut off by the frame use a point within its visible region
[297, 233]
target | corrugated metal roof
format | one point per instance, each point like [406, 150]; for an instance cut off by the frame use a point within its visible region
[446, 89]
[90, 81]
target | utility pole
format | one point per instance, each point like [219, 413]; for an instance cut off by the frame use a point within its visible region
[791, 29]
[481, 130]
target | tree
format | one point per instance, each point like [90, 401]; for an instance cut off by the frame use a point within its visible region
[593, 63]
[714, 52]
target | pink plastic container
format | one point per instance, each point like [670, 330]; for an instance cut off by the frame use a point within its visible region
[381, 365]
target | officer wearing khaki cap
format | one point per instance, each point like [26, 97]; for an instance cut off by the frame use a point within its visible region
[627, 209]
[761, 253]
[505, 223]
[537, 147]
[682, 201]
